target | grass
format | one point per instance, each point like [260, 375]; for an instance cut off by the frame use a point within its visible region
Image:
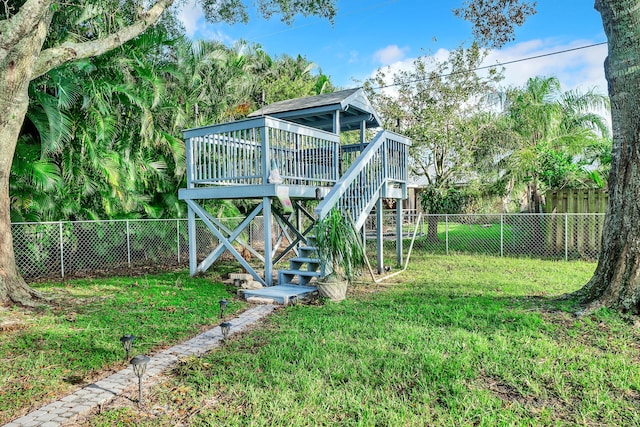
[511, 240]
[47, 353]
[455, 341]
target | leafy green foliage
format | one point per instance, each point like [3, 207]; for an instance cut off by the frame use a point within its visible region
[494, 21]
[339, 246]
[233, 11]
[556, 135]
[442, 107]
[443, 200]
[103, 136]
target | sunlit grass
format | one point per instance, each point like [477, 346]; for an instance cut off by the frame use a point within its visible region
[45, 353]
[455, 341]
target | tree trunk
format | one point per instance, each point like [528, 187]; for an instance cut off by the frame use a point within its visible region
[21, 60]
[16, 70]
[13, 289]
[432, 229]
[616, 281]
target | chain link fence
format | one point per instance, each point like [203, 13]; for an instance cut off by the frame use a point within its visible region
[79, 248]
[63, 249]
[547, 236]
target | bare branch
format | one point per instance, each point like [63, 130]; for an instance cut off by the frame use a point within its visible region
[68, 51]
[13, 29]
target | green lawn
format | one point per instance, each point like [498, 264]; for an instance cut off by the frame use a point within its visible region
[456, 341]
[463, 340]
[52, 351]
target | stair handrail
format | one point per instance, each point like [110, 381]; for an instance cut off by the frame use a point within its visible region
[373, 160]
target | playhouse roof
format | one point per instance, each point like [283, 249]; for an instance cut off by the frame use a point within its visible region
[317, 111]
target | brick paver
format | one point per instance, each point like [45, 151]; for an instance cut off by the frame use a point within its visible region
[82, 401]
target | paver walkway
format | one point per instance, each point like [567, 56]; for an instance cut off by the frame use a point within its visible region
[81, 402]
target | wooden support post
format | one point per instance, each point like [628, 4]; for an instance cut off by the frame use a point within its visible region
[379, 235]
[336, 155]
[266, 154]
[399, 231]
[364, 237]
[268, 247]
[193, 250]
[299, 218]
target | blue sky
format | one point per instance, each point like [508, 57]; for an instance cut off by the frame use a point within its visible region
[371, 34]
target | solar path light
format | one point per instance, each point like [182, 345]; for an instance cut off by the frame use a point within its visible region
[127, 342]
[225, 327]
[223, 306]
[139, 364]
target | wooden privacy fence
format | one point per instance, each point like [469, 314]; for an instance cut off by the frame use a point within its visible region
[578, 231]
[576, 201]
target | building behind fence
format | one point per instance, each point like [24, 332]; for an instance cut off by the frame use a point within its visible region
[66, 249]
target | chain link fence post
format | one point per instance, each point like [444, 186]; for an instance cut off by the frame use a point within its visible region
[501, 235]
[61, 250]
[446, 233]
[566, 236]
[128, 245]
[178, 237]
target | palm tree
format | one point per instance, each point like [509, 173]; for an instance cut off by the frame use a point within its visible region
[545, 119]
[104, 139]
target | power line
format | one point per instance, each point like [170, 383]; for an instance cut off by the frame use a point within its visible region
[528, 58]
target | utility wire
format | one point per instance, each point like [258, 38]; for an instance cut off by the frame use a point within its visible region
[484, 67]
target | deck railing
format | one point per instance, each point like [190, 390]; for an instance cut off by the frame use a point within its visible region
[241, 153]
[383, 160]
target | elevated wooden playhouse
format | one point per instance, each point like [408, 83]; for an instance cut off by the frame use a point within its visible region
[301, 138]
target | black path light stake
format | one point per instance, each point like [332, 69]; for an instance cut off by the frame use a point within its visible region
[223, 306]
[139, 364]
[225, 327]
[127, 342]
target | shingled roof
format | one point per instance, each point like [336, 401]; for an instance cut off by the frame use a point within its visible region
[317, 111]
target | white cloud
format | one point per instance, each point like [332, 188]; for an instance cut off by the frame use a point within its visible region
[580, 69]
[197, 27]
[191, 16]
[390, 54]
[354, 57]
[405, 64]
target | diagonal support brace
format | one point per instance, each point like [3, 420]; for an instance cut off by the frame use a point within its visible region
[223, 239]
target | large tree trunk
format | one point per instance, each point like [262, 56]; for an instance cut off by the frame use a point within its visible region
[432, 229]
[16, 70]
[21, 60]
[616, 282]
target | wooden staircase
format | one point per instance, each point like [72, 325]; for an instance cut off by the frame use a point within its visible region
[297, 281]
[303, 269]
[369, 178]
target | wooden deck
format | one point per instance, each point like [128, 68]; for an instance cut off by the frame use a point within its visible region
[263, 158]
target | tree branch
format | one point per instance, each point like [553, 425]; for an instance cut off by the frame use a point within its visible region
[13, 29]
[68, 51]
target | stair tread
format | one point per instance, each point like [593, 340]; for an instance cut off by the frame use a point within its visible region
[305, 259]
[301, 272]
